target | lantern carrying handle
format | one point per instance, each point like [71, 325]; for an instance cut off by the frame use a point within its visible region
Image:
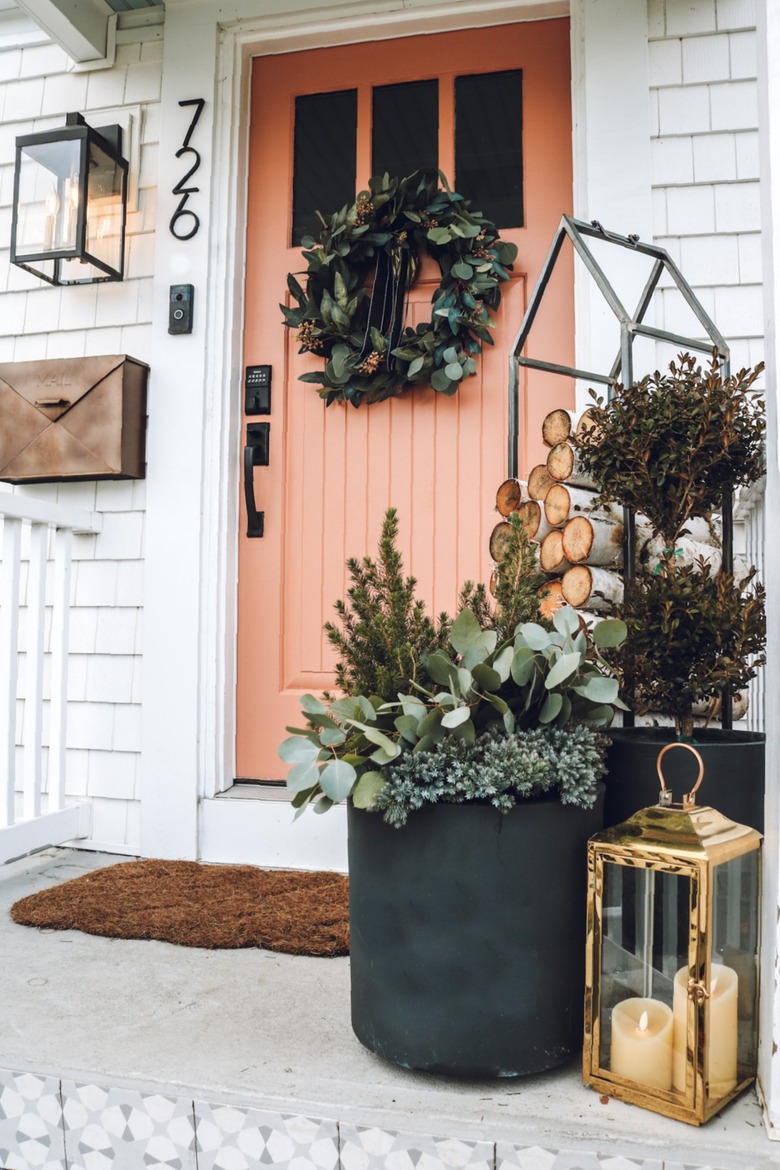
[666, 796]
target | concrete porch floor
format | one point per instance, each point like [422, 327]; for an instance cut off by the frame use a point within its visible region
[269, 1032]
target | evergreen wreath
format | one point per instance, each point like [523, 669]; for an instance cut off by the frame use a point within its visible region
[369, 354]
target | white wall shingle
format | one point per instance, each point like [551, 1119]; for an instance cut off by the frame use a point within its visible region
[737, 207]
[742, 51]
[690, 17]
[705, 58]
[43, 60]
[78, 308]
[109, 678]
[95, 583]
[91, 725]
[736, 13]
[750, 259]
[106, 87]
[710, 260]
[739, 311]
[672, 160]
[111, 775]
[63, 92]
[10, 64]
[714, 158]
[747, 155]
[109, 820]
[716, 216]
[127, 728]
[130, 584]
[734, 105]
[24, 101]
[684, 109]
[691, 210]
[665, 62]
[117, 629]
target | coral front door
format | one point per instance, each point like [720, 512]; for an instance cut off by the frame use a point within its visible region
[490, 108]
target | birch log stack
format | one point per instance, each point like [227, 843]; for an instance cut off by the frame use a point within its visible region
[510, 495]
[565, 466]
[539, 482]
[686, 552]
[550, 597]
[563, 501]
[589, 587]
[557, 427]
[593, 541]
[580, 541]
[552, 557]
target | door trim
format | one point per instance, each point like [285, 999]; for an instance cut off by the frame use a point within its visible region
[238, 46]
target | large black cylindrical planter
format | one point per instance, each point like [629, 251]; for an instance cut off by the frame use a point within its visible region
[467, 936]
[733, 772]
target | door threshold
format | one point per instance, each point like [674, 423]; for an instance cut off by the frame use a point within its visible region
[255, 790]
[255, 824]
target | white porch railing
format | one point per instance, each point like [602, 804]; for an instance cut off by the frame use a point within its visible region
[42, 817]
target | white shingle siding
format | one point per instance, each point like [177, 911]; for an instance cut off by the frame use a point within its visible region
[702, 57]
[37, 89]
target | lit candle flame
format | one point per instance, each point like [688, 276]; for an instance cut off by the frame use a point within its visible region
[713, 985]
[642, 1026]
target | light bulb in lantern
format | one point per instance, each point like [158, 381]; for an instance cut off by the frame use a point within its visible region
[52, 205]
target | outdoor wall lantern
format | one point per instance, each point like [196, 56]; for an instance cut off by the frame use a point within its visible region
[671, 1005]
[70, 204]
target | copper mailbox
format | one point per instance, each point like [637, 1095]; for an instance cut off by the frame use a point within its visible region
[73, 418]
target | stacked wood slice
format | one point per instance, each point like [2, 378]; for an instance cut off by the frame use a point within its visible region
[580, 542]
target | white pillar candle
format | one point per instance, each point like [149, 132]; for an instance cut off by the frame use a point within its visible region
[642, 1042]
[722, 1038]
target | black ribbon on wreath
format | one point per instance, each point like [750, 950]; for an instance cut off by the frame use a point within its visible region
[387, 306]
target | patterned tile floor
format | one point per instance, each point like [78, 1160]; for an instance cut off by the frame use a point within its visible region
[120, 1055]
[46, 1124]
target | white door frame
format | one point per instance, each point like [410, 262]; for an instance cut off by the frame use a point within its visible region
[194, 435]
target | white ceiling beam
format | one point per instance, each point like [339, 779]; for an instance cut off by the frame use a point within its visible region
[80, 27]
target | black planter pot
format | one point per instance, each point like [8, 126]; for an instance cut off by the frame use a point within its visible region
[467, 935]
[733, 772]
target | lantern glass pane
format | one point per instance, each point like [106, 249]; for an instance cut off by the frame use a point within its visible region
[105, 208]
[646, 929]
[47, 208]
[733, 1002]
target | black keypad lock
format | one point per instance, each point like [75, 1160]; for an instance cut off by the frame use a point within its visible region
[257, 390]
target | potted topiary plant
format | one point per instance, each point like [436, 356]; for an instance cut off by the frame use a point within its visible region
[470, 756]
[670, 447]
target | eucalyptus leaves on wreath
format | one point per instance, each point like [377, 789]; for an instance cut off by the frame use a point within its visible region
[369, 352]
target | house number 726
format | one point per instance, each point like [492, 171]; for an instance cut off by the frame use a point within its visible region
[182, 212]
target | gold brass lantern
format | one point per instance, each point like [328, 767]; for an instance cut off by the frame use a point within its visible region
[671, 1004]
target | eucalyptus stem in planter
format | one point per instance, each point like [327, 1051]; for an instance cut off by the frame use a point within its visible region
[481, 682]
[470, 781]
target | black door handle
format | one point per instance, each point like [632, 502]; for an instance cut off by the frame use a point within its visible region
[255, 455]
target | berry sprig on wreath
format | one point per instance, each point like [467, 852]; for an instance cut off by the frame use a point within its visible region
[359, 330]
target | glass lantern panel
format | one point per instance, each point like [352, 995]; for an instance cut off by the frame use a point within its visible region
[733, 1002]
[47, 208]
[105, 208]
[646, 929]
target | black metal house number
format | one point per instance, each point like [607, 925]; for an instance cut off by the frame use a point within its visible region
[178, 228]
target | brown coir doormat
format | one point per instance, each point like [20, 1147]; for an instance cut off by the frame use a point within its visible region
[196, 905]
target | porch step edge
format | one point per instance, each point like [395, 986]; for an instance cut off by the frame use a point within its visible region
[67, 1114]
